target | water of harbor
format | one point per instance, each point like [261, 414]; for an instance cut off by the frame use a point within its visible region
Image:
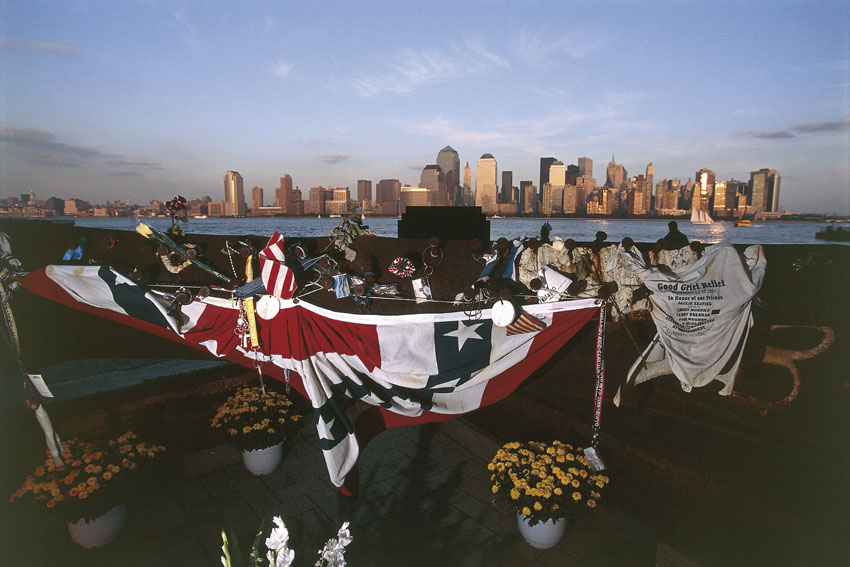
[582, 230]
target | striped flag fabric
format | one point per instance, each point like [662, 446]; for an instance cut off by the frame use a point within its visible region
[278, 279]
[411, 369]
[525, 323]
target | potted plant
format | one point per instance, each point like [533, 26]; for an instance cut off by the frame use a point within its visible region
[89, 493]
[256, 419]
[549, 486]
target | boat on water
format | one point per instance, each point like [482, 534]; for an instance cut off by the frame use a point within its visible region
[742, 223]
[700, 216]
[434, 324]
[833, 234]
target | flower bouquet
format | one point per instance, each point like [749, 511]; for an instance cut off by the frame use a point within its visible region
[255, 420]
[546, 481]
[96, 477]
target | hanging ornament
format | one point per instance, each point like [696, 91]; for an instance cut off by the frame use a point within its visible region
[402, 267]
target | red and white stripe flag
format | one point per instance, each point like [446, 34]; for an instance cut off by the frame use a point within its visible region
[526, 323]
[278, 279]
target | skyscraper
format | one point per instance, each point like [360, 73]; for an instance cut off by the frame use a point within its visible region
[545, 162]
[283, 195]
[703, 189]
[647, 194]
[486, 184]
[467, 176]
[387, 191]
[585, 167]
[234, 195]
[763, 191]
[507, 186]
[449, 162]
[433, 179]
[615, 174]
[256, 199]
[364, 190]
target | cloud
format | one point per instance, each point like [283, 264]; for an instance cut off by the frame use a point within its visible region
[59, 49]
[137, 164]
[537, 47]
[281, 68]
[411, 69]
[766, 134]
[416, 166]
[41, 148]
[815, 127]
[185, 29]
[334, 158]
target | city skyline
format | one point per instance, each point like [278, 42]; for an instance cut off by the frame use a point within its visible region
[115, 102]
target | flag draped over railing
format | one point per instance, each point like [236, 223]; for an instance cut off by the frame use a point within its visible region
[412, 368]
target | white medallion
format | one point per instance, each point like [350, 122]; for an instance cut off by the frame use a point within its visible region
[267, 307]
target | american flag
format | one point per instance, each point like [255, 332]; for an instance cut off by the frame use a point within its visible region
[412, 368]
[278, 279]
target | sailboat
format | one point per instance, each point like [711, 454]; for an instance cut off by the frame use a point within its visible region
[700, 216]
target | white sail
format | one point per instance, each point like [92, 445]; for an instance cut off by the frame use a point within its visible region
[700, 216]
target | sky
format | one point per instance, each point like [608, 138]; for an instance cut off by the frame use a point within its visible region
[146, 100]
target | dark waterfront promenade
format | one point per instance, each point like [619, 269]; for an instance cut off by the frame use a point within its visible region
[425, 499]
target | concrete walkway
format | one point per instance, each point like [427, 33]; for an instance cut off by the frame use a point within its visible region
[425, 500]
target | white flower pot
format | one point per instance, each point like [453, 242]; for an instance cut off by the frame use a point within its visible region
[263, 461]
[541, 535]
[99, 531]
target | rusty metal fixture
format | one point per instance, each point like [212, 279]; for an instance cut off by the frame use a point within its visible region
[640, 294]
[577, 287]
[607, 289]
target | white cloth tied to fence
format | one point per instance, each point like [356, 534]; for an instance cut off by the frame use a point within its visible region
[703, 316]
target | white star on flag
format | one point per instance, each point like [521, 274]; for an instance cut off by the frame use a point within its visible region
[464, 333]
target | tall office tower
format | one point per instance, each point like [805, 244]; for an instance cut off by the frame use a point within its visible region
[486, 184]
[521, 199]
[570, 200]
[647, 194]
[364, 190]
[528, 194]
[507, 186]
[773, 190]
[234, 195]
[467, 176]
[387, 191]
[256, 199]
[703, 189]
[433, 179]
[639, 189]
[763, 191]
[283, 194]
[557, 180]
[585, 167]
[572, 174]
[719, 204]
[557, 174]
[546, 200]
[545, 164]
[449, 162]
[615, 174]
[316, 204]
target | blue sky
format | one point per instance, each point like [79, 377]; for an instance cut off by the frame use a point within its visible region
[145, 100]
